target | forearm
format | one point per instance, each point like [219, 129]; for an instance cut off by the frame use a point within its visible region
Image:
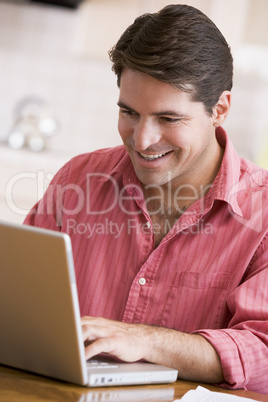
[192, 355]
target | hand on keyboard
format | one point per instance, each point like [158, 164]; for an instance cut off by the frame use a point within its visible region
[128, 342]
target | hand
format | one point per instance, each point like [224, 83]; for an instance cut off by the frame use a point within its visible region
[128, 342]
[194, 357]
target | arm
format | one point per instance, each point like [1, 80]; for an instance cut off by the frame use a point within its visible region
[236, 355]
[192, 355]
[47, 212]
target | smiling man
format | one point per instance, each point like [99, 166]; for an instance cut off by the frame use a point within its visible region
[171, 143]
[169, 230]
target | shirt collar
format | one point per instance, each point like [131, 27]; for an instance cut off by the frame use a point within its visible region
[123, 170]
[226, 185]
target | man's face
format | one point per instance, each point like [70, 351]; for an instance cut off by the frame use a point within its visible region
[168, 136]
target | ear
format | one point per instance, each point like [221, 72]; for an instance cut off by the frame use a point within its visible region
[221, 109]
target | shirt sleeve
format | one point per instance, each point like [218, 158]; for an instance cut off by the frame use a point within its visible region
[47, 212]
[243, 346]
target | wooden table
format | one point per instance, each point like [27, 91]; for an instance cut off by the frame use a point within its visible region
[19, 386]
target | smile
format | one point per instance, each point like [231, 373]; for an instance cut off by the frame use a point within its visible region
[152, 157]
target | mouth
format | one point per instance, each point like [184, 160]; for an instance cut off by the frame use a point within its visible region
[153, 157]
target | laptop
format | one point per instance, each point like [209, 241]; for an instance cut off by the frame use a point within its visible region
[40, 317]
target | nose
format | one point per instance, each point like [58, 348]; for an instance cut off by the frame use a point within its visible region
[146, 134]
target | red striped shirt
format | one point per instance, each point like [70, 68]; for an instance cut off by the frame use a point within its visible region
[208, 275]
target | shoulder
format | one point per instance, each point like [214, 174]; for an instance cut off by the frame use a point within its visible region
[253, 174]
[100, 160]
[252, 196]
[239, 169]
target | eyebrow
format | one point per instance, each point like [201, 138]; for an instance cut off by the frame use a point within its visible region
[122, 105]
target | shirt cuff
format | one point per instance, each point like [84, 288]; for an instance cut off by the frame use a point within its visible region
[234, 362]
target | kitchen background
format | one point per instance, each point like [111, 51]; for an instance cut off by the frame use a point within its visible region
[58, 94]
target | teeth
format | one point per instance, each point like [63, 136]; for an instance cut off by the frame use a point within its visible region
[152, 157]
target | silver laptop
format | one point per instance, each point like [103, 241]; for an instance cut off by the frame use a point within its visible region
[40, 329]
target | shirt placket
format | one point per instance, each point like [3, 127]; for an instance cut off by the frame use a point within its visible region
[144, 281]
[141, 288]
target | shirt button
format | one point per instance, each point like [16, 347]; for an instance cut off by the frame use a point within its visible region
[148, 225]
[142, 281]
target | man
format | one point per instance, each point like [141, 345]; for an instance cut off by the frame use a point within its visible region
[169, 231]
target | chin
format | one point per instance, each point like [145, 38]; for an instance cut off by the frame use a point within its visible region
[153, 180]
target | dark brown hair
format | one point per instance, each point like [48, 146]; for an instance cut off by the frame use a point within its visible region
[178, 45]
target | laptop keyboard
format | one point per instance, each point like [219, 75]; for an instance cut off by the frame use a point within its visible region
[97, 365]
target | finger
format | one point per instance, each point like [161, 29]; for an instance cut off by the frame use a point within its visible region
[92, 332]
[94, 328]
[101, 345]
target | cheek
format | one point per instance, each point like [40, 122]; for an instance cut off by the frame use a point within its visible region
[179, 138]
[124, 128]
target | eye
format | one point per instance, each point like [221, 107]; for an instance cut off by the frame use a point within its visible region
[171, 120]
[127, 112]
